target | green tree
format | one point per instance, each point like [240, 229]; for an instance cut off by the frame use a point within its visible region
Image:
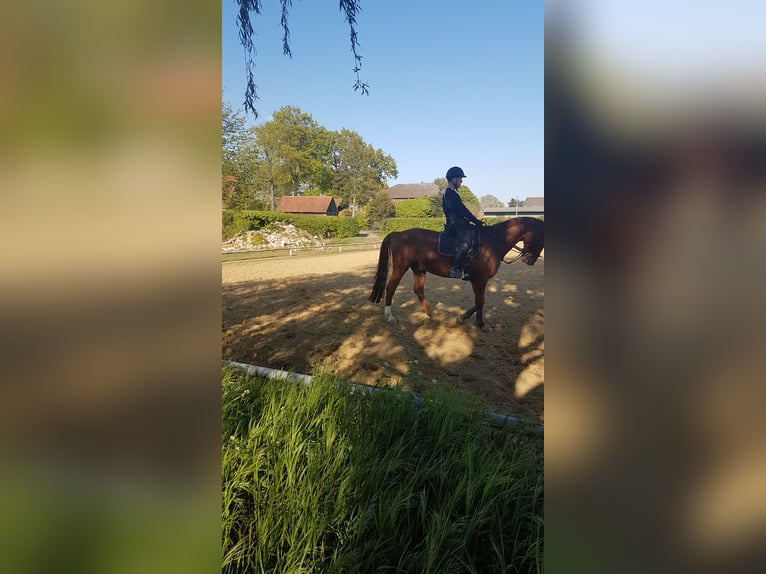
[380, 207]
[350, 9]
[290, 152]
[239, 181]
[356, 169]
[487, 201]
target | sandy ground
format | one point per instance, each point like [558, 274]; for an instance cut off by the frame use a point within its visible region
[304, 314]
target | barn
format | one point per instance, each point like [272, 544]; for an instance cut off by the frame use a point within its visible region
[308, 205]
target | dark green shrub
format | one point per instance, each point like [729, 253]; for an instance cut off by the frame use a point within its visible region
[402, 223]
[420, 207]
[319, 225]
[233, 222]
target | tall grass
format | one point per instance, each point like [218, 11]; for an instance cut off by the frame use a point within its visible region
[319, 479]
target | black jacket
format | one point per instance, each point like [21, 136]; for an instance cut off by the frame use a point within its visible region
[455, 211]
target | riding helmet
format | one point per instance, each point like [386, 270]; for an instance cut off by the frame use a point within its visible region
[454, 172]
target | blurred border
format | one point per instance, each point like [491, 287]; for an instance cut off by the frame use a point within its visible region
[110, 171]
[655, 211]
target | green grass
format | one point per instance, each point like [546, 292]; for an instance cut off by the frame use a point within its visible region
[319, 479]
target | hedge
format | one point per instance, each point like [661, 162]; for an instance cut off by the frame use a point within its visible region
[402, 223]
[319, 225]
[432, 223]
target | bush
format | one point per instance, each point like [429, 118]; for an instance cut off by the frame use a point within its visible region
[420, 207]
[402, 223]
[233, 222]
[319, 225]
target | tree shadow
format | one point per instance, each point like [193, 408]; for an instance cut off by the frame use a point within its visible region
[326, 323]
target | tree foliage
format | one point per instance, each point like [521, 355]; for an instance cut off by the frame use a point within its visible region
[239, 176]
[291, 154]
[357, 169]
[487, 201]
[247, 8]
[380, 207]
[289, 150]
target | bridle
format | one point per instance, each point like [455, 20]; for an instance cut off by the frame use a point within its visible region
[522, 252]
[519, 256]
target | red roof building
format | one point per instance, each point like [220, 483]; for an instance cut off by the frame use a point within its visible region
[308, 205]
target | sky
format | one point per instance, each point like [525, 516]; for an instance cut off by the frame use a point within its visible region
[451, 83]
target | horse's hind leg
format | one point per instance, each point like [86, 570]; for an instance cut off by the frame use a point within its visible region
[393, 282]
[419, 288]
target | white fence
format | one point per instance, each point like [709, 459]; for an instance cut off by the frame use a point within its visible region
[290, 251]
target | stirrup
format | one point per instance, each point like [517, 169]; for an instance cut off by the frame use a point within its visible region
[455, 273]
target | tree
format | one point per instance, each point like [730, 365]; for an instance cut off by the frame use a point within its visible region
[350, 9]
[380, 207]
[289, 150]
[487, 201]
[356, 169]
[239, 182]
[512, 203]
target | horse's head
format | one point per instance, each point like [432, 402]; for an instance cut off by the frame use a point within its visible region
[533, 243]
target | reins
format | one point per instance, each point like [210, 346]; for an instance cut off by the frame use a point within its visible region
[513, 247]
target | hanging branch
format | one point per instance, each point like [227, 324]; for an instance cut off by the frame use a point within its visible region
[351, 7]
[246, 33]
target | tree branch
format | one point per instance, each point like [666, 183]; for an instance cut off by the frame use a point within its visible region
[350, 9]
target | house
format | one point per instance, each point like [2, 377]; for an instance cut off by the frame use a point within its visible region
[402, 191]
[308, 205]
[537, 202]
[531, 207]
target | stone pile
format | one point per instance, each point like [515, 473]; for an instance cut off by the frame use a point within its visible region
[278, 236]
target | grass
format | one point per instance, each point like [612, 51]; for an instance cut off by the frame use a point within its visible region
[319, 479]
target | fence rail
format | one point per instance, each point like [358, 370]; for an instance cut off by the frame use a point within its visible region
[293, 251]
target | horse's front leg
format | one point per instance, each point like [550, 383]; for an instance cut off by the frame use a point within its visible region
[478, 308]
[419, 288]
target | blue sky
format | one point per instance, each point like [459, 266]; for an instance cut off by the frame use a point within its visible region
[451, 83]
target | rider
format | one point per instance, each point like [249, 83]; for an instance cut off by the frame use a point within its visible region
[459, 220]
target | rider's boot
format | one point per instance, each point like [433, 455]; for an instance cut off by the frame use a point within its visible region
[456, 271]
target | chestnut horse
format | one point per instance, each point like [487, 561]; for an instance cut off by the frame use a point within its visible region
[417, 249]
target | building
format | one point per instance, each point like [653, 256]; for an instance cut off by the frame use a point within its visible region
[308, 205]
[402, 191]
[531, 207]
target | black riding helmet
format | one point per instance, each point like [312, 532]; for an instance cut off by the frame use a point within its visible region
[454, 172]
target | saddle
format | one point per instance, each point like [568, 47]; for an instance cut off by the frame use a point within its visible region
[447, 244]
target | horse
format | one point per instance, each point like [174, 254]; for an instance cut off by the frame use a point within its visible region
[417, 249]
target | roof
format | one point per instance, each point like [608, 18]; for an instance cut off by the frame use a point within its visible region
[306, 204]
[534, 202]
[413, 190]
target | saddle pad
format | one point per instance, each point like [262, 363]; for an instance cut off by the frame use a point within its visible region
[447, 245]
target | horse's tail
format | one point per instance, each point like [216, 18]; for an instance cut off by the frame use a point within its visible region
[379, 285]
